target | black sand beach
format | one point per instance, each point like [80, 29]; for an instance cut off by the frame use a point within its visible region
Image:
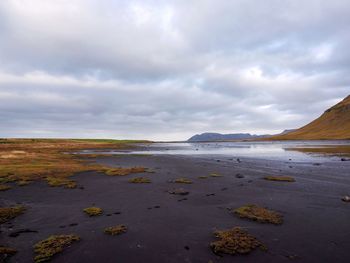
[163, 227]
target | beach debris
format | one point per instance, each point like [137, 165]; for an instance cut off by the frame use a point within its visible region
[125, 171]
[215, 175]
[179, 191]
[182, 181]
[93, 211]
[235, 241]
[6, 252]
[346, 198]
[116, 230]
[202, 177]
[239, 176]
[8, 213]
[280, 178]
[4, 187]
[259, 214]
[47, 248]
[140, 180]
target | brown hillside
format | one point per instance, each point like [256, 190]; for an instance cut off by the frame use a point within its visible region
[334, 123]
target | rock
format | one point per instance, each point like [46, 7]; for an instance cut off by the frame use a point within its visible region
[239, 176]
[346, 198]
[344, 159]
[179, 191]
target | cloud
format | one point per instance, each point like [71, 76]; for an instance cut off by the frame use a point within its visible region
[168, 69]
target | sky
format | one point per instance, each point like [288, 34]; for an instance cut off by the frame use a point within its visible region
[166, 70]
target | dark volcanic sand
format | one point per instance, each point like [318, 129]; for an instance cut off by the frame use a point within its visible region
[161, 228]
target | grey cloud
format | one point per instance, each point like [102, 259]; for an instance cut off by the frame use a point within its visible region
[168, 69]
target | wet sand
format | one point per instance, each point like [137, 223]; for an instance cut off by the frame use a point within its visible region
[169, 228]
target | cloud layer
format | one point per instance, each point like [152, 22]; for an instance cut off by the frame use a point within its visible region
[164, 70]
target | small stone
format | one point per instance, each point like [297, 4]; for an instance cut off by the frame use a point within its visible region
[346, 198]
[239, 176]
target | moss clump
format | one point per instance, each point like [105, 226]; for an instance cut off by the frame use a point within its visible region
[93, 211]
[49, 247]
[280, 178]
[259, 214]
[182, 181]
[8, 213]
[234, 241]
[57, 181]
[140, 180]
[125, 171]
[202, 177]
[116, 230]
[4, 187]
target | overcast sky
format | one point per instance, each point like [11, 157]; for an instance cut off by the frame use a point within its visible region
[165, 70]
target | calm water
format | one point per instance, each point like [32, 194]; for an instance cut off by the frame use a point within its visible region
[264, 150]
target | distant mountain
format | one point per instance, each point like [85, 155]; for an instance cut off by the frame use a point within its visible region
[334, 123]
[208, 136]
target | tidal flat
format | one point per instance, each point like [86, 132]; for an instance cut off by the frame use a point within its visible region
[165, 227]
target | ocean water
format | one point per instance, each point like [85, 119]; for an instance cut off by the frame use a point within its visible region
[276, 150]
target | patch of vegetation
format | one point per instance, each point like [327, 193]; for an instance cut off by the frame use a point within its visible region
[259, 214]
[93, 211]
[125, 171]
[183, 181]
[339, 150]
[280, 178]
[49, 247]
[6, 252]
[140, 180]
[44, 159]
[4, 187]
[8, 213]
[57, 181]
[215, 175]
[235, 241]
[202, 177]
[116, 230]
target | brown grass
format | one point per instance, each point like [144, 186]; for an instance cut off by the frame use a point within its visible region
[4, 187]
[49, 247]
[8, 213]
[280, 178]
[116, 230]
[234, 241]
[259, 214]
[6, 252]
[25, 160]
[340, 150]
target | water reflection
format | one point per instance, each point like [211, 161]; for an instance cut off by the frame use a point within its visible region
[295, 150]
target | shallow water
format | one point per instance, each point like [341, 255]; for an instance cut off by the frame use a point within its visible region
[279, 150]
